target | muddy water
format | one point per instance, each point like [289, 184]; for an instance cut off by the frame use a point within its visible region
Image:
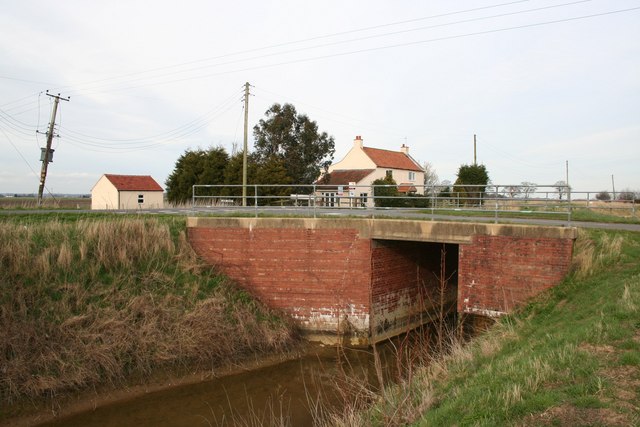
[263, 396]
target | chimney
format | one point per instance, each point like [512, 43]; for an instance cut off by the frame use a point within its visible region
[404, 149]
[358, 141]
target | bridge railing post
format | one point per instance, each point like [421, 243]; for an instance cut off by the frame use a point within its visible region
[495, 197]
[255, 199]
[313, 193]
[569, 202]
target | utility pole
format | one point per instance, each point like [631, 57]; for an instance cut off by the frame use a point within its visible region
[244, 152]
[475, 159]
[47, 153]
[613, 185]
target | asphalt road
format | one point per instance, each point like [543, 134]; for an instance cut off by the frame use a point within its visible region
[327, 212]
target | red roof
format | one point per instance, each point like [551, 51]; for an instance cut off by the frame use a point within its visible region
[391, 159]
[344, 177]
[407, 188]
[133, 182]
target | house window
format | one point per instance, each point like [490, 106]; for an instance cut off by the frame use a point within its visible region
[412, 176]
[329, 199]
[363, 199]
[389, 174]
[140, 199]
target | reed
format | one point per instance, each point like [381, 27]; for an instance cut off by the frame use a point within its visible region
[86, 302]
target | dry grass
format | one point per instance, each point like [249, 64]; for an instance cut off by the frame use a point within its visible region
[589, 257]
[92, 301]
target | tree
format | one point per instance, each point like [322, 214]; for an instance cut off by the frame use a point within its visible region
[196, 167]
[603, 196]
[383, 188]
[471, 183]
[512, 190]
[528, 188]
[295, 140]
[430, 177]
[626, 195]
[273, 171]
[562, 188]
[233, 174]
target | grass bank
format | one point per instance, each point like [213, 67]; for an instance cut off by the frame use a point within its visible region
[570, 358]
[93, 300]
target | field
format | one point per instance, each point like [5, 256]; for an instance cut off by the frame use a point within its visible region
[47, 203]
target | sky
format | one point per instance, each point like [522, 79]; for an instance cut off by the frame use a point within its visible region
[546, 86]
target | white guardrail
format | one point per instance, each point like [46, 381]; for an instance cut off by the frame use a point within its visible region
[544, 201]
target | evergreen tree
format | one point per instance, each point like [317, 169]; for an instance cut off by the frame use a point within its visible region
[471, 184]
[294, 139]
[273, 171]
[233, 175]
[388, 188]
[202, 167]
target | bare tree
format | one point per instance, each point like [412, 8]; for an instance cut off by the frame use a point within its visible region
[528, 188]
[562, 188]
[430, 177]
[626, 195]
[511, 191]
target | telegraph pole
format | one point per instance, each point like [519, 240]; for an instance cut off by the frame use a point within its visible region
[47, 153]
[244, 152]
[474, 150]
[613, 185]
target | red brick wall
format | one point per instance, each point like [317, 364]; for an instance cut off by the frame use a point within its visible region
[319, 277]
[332, 278]
[498, 273]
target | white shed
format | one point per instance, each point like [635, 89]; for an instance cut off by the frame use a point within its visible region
[126, 192]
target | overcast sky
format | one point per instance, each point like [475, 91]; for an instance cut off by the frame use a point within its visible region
[539, 82]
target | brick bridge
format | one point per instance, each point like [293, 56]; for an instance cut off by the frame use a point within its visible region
[365, 280]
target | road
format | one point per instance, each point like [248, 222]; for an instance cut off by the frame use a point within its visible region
[328, 212]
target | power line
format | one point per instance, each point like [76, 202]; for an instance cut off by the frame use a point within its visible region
[346, 120]
[182, 131]
[306, 48]
[18, 151]
[391, 46]
[299, 41]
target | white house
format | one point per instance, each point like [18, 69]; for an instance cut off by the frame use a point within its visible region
[126, 192]
[348, 182]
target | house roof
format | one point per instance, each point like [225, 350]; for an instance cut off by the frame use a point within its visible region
[345, 176]
[133, 182]
[391, 159]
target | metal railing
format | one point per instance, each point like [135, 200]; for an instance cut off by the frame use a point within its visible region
[493, 201]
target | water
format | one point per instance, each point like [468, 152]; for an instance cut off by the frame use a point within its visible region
[265, 396]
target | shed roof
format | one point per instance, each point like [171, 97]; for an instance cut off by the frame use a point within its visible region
[133, 182]
[391, 159]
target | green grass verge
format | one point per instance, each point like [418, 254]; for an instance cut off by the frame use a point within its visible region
[569, 358]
